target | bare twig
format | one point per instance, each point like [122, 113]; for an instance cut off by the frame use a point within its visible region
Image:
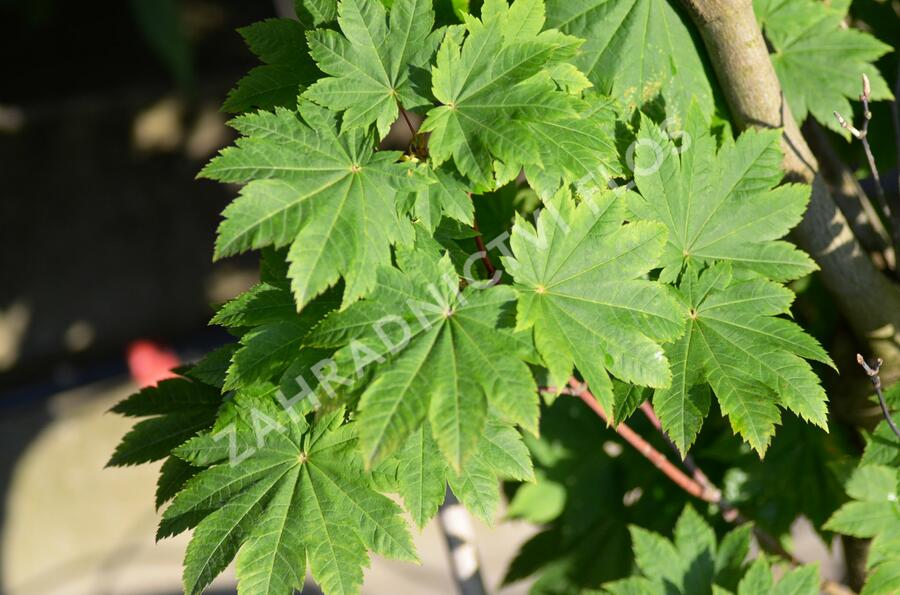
[872, 371]
[850, 197]
[862, 134]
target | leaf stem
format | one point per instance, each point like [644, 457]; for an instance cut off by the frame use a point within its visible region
[485, 257]
[872, 372]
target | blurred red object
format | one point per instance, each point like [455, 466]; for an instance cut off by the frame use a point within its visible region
[149, 362]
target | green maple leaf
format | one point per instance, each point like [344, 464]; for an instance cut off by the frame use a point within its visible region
[759, 580]
[694, 564]
[491, 81]
[720, 206]
[421, 350]
[818, 59]
[636, 50]
[577, 149]
[176, 409]
[421, 473]
[299, 496]
[281, 44]
[315, 13]
[874, 512]
[329, 197]
[376, 65]
[446, 196]
[579, 283]
[752, 360]
[274, 331]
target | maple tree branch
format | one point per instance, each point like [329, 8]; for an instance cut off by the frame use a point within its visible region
[704, 490]
[873, 373]
[459, 534]
[482, 248]
[659, 460]
[688, 461]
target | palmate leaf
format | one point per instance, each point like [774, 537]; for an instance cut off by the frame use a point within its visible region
[375, 64]
[719, 206]
[298, 497]
[874, 512]
[490, 78]
[446, 196]
[176, 409]
[329, 197]
[819, 60]
[752, 360]
[421, 350]
[636, 50]
[315, 13]
[420, 472]
[695, 564]
[281, 44]
[274, 331]
[577, 149]
[578, 278]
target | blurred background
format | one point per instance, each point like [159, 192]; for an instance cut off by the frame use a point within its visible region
[107, 112]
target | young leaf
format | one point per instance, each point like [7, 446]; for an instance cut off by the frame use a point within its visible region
[329, 196]
[882, 445]
[579, 283]
[300, 497]
[752, 360]
[376, 64]
[446, 196]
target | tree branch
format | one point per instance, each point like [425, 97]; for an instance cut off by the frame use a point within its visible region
[873, 372]
[869, 301]
[850, 197]
[659, 460]
[703, 489]
[862, 134]
[459, 534]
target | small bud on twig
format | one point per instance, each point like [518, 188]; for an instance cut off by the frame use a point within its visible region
[848, 126]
